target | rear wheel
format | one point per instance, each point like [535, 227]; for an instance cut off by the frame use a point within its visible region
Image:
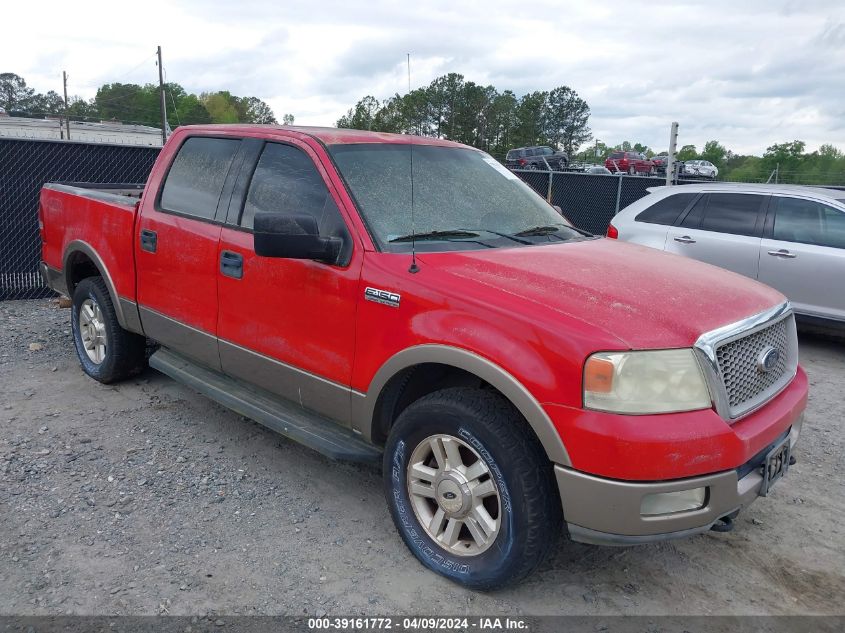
[106, 351]
[632, 170]
[470, 489]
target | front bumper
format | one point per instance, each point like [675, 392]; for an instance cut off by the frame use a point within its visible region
[608, 512]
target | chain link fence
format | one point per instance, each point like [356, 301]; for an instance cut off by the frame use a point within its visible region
[590, 201]
[25, 165]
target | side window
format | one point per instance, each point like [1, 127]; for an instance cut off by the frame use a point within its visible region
[734, 213]
[196, 177]
[667, 210]
[287, 181]
[809, 222]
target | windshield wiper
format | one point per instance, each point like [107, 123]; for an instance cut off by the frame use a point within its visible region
[538, 230]
[434, 235]
[549, 230]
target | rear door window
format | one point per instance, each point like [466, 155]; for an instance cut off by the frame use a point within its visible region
[809, 222]
[196, 176]
[734, 213]
[667, 210]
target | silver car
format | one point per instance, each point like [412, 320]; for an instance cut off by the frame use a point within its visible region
[789, 237]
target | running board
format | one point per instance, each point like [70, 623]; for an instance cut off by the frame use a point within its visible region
[300, 425]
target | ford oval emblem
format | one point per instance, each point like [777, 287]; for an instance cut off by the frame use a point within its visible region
[767, 360]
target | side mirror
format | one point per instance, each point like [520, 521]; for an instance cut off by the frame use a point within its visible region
[292, 236]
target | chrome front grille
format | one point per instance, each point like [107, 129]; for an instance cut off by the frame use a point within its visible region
[739, 379]
[739, 364]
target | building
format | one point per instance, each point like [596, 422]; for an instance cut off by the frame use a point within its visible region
[53, 129]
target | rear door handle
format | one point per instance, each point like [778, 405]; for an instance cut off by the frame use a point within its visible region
[685, 239]
[782, 252]
[232, 264]
[149, 241]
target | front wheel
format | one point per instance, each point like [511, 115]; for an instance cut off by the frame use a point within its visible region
[470, 488]
[632, 171]
[106, 351]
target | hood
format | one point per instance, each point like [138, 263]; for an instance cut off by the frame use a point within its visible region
[646, 298]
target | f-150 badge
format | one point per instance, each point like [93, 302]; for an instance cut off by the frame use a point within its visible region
[382, 296]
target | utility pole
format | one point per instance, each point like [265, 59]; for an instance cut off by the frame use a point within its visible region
[163, 103]
[67, 119]
[670, 161]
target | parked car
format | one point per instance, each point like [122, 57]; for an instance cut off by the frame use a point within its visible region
[630, 162]
[597, 169]
[536, 157]
[660, 163]
[789, 237]
[700, 169]
[511, 373]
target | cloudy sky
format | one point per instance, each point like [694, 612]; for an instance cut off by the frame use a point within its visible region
[746, 72]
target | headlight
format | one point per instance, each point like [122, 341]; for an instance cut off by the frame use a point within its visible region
[660, 381]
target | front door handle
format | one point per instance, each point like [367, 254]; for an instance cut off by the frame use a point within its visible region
[149, 241]
[782, 252]
[232, 264]
[685, 239]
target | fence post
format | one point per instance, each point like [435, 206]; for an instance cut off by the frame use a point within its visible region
[549, 191]
[618, 193]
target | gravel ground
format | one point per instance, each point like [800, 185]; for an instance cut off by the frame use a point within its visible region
[146, 498]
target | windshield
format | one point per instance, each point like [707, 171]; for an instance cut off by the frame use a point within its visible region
[463, 199]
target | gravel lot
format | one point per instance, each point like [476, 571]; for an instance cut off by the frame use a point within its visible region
[145, 498]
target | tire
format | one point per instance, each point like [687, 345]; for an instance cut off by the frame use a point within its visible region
[632, 171]
[531, 166]
[123, 354]
[524, 504]
[652, 172]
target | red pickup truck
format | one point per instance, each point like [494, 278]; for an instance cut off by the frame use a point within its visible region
[409, 300]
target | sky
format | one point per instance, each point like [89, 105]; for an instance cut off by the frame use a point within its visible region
[748, 73]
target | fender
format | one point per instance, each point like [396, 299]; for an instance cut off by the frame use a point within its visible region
[126, 310]
[363, 405]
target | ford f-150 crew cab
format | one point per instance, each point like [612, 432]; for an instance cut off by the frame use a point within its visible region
[409, 300]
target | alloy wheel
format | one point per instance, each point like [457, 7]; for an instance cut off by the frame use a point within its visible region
[453, 495]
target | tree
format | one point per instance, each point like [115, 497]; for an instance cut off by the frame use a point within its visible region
[191, 111]
[14, 93]
[287, 119]
[687, 152]
[254, 110]
[566, 119]
[221, 106]
[50, 104]
[715, 153]
[362, 116]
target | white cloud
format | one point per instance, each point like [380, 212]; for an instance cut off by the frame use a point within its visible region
[748, 74]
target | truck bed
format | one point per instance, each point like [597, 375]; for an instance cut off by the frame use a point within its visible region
[96, 217]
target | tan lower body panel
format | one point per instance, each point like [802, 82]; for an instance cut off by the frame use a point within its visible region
[608, 511]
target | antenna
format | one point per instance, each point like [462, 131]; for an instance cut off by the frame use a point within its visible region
[414, 268]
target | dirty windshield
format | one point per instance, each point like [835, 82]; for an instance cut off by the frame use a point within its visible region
[463, 199]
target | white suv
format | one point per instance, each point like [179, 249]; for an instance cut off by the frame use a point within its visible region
[789, 237]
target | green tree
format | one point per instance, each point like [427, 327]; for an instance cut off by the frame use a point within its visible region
[287, 119]
[14, 93]
[191, 111]
[687, 152]
[254, 110]
[221, 106]
[715, 153]
[566, 119]
[362, 116]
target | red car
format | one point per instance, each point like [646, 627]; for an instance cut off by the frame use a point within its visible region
[630, 162]
[411, 302]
